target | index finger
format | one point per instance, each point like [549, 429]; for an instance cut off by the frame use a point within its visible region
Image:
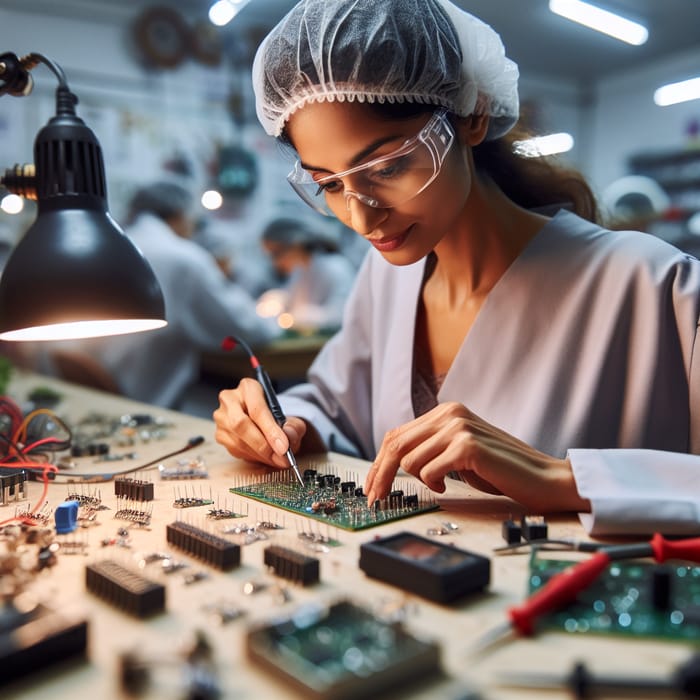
[260, 413]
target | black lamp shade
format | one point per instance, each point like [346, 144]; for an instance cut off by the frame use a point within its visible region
[75, 274]
[75, 266]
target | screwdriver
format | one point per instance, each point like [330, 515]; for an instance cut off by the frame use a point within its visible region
[683, 682]
[563, 587]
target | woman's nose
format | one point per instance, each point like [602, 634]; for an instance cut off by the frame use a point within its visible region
[362, 217]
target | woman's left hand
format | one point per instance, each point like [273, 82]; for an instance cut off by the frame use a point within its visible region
[452, 438]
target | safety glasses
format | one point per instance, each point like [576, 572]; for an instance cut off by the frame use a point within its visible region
[383, 182]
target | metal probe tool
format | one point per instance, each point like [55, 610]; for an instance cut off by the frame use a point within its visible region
[563, 587]
[262, 376]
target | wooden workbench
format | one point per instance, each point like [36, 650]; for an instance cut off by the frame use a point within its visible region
[455, 627]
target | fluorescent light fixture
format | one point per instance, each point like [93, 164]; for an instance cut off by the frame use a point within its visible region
[601, 20]
[544, 145]
[673, 93]
[223, 11]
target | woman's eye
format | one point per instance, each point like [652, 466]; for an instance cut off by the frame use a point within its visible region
[391, 170]
[330, 187]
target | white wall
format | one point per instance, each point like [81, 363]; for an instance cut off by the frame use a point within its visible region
[143, 116]
[625, 120]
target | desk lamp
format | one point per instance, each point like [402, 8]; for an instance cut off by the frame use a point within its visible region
[74, 273]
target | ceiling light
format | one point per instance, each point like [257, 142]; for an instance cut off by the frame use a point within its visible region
[601, 20]
[544, 145]
[223, 11]
[673, 93]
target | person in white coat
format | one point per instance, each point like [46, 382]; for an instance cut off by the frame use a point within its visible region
[544, 358]
[317, 278]
[202, 306]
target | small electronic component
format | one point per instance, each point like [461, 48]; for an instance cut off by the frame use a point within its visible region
[512, 532]
[12, 485]
[534, 527]
[433, 570]
[212, 549]
[292, 565]
[125, 589]
[332, 653]
[66, 517]
[133, 489]
[35, 639]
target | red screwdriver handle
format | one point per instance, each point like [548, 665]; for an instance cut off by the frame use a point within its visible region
[664, 549]
[561, 589]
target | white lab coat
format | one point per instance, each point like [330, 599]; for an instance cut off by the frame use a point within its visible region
[202, 307]
[585, 344]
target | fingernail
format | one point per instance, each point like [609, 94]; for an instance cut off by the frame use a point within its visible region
[280, 449]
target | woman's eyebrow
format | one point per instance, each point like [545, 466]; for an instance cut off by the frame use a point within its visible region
[358, 157]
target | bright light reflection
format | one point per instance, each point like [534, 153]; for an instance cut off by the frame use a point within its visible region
[673, 93]
[601, 20]
[212, 199]
[544, 145]
[12, 204]
[285, 320]
[84, 329]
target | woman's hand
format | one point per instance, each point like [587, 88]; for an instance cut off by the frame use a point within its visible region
[246, 427]
[452, 438]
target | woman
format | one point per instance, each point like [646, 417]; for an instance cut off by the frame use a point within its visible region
[544, 358]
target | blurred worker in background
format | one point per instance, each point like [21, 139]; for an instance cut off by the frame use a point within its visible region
[317, 277]
[202, 306]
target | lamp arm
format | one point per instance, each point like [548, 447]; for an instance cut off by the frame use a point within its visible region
[14, 73]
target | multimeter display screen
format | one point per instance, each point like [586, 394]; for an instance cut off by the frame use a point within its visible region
[420, 550]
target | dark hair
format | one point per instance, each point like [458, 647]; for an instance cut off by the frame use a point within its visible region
[289, 232]
[533, 183]
[162, 199]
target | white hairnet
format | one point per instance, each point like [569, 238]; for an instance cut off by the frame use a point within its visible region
[427, 51]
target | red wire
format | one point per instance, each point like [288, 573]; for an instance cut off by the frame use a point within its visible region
[46, 470]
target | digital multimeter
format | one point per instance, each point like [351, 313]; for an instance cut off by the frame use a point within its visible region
[433, 570]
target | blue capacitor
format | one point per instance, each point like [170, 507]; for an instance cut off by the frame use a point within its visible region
[66, 516]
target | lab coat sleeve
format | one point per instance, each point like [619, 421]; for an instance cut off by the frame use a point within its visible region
[217, 306]
[336, 399]
[638, 492]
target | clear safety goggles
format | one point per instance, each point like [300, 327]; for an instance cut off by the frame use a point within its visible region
[383, 182]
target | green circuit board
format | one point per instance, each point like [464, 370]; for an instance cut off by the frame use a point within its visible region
[337, 500]
[631, 598]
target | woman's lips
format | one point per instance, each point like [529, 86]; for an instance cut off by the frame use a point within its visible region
[386, 245]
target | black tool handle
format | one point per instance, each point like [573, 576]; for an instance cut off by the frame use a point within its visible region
[270, 395]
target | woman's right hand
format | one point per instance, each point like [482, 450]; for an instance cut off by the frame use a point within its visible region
[246, 427]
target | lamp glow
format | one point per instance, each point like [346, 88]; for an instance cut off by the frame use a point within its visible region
[548, 145]
[673, 93]
[221, 13]
[601, 20]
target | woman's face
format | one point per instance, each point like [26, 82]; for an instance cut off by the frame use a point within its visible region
[331, 137]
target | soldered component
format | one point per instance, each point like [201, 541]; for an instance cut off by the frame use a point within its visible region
[133, 489]
[134, 512]
[512, 532]
[292, 565]
[190, 501]
[214, 550]
[125, 589]
[345, 663]
[184, 469]
[534, 527]
[66, 517]
[12, 485]
[335, 500]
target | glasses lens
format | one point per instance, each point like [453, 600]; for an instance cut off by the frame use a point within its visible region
[383, 182]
